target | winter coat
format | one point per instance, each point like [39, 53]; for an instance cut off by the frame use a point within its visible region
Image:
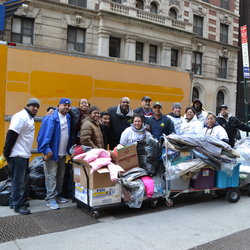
[118, 123]
[141, 111]
[91, 134]
[49, 135]
[231, 125]
[216, 131]
[177, 120]
[76, 120]
[158, 127]
[193, 127]
[131, 135]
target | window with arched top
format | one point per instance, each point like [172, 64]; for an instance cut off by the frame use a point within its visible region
[139, 4]
[173, 13]
[220, 99]
[153, 7]
[196, 94]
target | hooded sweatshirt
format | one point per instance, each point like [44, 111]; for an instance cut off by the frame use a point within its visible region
[131, 135]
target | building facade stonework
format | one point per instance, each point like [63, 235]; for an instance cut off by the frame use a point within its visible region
[198, 36]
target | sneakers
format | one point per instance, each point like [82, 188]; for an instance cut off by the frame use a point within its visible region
[52, 204]
[60, 199]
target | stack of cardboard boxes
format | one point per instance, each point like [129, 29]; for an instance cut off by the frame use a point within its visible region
[102, 190]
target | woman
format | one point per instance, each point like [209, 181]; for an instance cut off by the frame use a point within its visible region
[191, 125]
[212, 128]
[91, 134]
[136, 132]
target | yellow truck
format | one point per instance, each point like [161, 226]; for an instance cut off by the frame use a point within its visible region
[28, 71]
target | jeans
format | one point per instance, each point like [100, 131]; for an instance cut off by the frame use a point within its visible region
[18, 170]
[54, 175]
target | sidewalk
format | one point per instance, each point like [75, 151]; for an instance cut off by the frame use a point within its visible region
[176, 229]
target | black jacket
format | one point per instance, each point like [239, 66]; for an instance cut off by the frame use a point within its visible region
[231, 125]
[118, 123]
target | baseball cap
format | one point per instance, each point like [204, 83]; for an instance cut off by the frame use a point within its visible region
[144, 98]
[65, 101]
[223, 106]
[157, 104]
[33, 102]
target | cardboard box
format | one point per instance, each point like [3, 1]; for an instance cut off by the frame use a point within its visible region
[98, 179]
[127, 157]
[100, 196]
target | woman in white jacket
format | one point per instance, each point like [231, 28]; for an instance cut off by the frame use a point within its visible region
[212, 128]
[135, 132]
[191, 125]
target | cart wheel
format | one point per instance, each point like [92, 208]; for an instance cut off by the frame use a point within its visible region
[221, 193]
[248, 189]
[233, 195]
[169, 203]
[153, 204]
[95, 214]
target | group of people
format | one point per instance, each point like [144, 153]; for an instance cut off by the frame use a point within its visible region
[86, 125]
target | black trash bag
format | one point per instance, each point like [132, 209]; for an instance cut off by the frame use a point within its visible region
[68, 183]
[4, 173]
[36, 179]
[149, 151]
[5, 192]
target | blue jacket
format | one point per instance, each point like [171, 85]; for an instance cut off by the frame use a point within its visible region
[164, 125]
[49, 135]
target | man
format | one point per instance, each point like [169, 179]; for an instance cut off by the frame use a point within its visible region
[105, 127]
[230, 124]
[200, 113]
[17, 150]
[145, 108]
[120, 117]
[176, 117]
[78, 114]
[160, 124]
[54, 142]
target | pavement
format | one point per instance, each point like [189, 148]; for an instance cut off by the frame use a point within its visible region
[209, 224]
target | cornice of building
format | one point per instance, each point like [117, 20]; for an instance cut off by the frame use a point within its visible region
[66, 8]
[148, 24]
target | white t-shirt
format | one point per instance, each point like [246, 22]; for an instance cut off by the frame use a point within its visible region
[193, 127]
[64, 135]
[218, 132]
[177, 123]
[23, 124]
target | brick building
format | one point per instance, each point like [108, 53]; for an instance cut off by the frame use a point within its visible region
[198, 36]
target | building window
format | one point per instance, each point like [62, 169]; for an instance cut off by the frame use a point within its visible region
[172, 14]
[114, 46]
[22, 30]
[205, 1]
[117, 1]
[196, 94]
[198, 25]
[174, 57]
[153, 8]
[76, 39]
[153, 54]
[197, 63]
[139, 4]
[223, 33]
[139, 51]
[81, 3]
[224, 4]
[222, 67]
[220, 99]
